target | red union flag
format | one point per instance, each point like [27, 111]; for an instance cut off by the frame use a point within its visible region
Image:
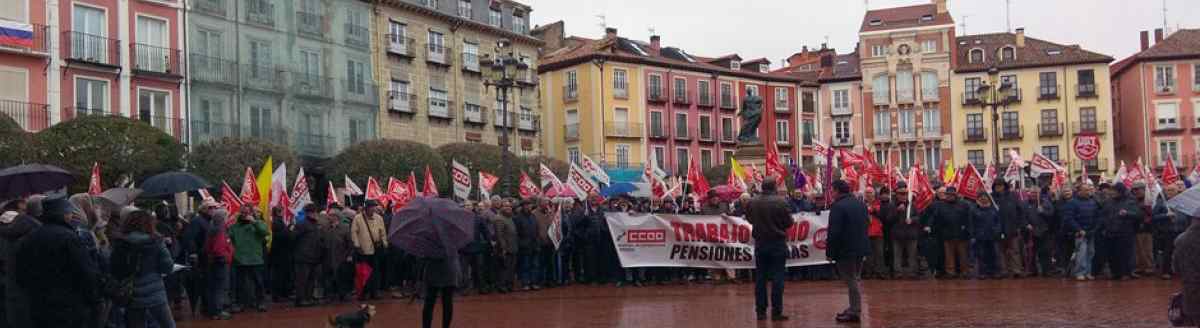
[374, 192]
[94, 184]
[1170, 174]
[528, 189]
[919, 188]
[250, 193]
[430, 185]
[487, 182]
[1042, 165]
[398, 192]
[230, 200]
[462, 179]
[969, 182]
[1087, 146]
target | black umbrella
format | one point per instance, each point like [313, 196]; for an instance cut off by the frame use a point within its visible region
[432, 228]
[31, 179]
[172, 183]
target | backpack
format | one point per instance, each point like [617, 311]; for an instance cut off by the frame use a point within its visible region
[126, 263]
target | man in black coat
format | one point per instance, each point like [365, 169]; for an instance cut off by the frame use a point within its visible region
[848, 244]
[279, 260]
[1118, 228]
[947, 220]
[309, 253]
[770, 216]
[63, 279]
[1013, 219]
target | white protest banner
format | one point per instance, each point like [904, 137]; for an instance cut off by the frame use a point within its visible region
[595, 170]
[708, 241]
[581, 182]
[462, 180]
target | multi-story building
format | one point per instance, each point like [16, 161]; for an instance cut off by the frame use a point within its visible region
[1068, 95]
[623, 101]
[1157, 96]
[94, 57]
[808, 66]
[841, 103]
[292, 72]
[906, 58]
[430, 57]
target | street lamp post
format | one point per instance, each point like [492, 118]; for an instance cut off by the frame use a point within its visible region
[501, 72]
[995, 98]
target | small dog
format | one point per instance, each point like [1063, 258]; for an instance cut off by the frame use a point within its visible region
[357, 319]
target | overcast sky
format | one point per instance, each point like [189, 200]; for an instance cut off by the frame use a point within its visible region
[778, 28]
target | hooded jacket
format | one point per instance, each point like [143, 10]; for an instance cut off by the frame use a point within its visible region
[249, 239]
[61, 276]
[984, 223]
[147, 262]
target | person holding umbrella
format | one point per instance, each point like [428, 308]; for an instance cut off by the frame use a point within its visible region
[435, 230]
[56, 265]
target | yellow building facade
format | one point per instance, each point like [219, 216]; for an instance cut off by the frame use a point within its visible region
[1054, 93]
[578, 128]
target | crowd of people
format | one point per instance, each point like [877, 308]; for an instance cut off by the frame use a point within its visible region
[67, 264]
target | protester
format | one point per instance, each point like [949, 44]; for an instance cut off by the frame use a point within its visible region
[904, 233]
[218, 256]
[17, 221]
[1121, 215]
[547, 256]
[280, 257]
[140, 254]
[1064, 236]
[506, 248]
[338, 266]
[1013, 220]
[249, 237]
[441, 279]
[1143, 251]
[874, 267]
[848, 245]
[527, 245]
[1167, 226]
[947, 219]
[1041, 216]
[986, 229]
[770, 216]
[369, 235]
[62, 280]
[1187, 265]
[1081, 215]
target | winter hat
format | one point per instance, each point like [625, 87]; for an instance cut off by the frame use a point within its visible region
[1139, 184]
[57, 208]
[33, 205]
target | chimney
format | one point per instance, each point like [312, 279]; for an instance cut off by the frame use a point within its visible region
[941, 6]
[610, 32]
[1158, 35]
[1145, 40]
[1020, 37]
[655, 43]
[804, 50]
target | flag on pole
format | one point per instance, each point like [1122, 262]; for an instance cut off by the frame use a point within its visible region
[250, 195]
[555, 228]
[1170, 174]
[412, 184]
[548, 178]
[232, 202]
[1194, 177]
[1040, 164]
[989, 176]
[278, 185]
[399, 193]
[948, 174]
[487, 182]
[773, 166]
[352, 189]
[1013, 173]
[657, 186]
[205, 196]
[969, 183]
[527, 188]
[919, 187]
[581, 182]
[594, 170]
[264, 188]
[300, 194]
[696, 178]
[94, 188]
[430, 186]
[374, 192]
[737, 170]
[734, 181]
[331, 196]
[462, 179]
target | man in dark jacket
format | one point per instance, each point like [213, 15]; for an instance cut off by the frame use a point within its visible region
[1013, 220]
[527, 245]
[1167, 225]
[986, 228]
[309, 251]
[947, 219]
[339, 265]
[1041, 214]
[63, 279]
[906, 229]
[280, 258]
[1187, 265]
[770, 217]
[848, 244]
[1118, 228]
[1080, 217]
[17, 221]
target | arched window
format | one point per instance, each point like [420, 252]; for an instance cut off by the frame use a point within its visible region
[976, 56]
[1008, 53]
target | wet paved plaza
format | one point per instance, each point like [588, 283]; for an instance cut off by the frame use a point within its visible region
[958, 303]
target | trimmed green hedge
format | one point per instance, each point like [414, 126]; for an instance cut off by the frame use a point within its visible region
[120, 145]
[388, 158]
[226, 159]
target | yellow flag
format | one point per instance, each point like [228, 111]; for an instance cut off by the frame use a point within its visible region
[264, 189]
[737, 168]
[948, 175]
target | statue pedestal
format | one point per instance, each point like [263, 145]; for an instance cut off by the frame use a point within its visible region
[751, 154]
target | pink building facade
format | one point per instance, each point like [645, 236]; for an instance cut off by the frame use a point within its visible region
[1156, 94]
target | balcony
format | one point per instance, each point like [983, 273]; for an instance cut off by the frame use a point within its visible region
[260, 12]
[314, 144]
[1168, 127]
[358, 36]
[907, 96]
[1085, 90]
[1015, 95]
[31, 117]
[971, 98]
[70, 113]
[682, 133]
[172, 126]
[92, 49]
[39, 45]
[930, 95]
[213, 70]
[622, 130]
[440, 108]
[1050, 130]
[470, 62]
[148, 59]
[728, 137]
[527, 120]
[312, 85]
[1093, 127]
[207, 130]
[570, 93]
[474, 114]
[681, 99]
[845, 141]
[1094, 166]
[211, 7]
[706, 134]
[504, 121]
[360, 92]
[571, 132]
[783, 107]
[975, 135]
[654, 94]
[906, 134]
[263, 78]
[1009, 133]
[808, 105]
[658, 131]
[933, 132]
[621, 92]
[1048, 92]
[402, 102]
[727, 102]
[310, 24]
[841, 111]
[437, 55]
[705, 100]
[401, 46]
[883, 135]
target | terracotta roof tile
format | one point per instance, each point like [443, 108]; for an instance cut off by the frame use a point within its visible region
[1182, 44]
[581, 49]
[903, 17]
[845, 67]
[1035, 53]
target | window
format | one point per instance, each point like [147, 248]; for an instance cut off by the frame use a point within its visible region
[1049, 123]
[1087, 81]
[929, 86]
[806, 132]
[260, 121]
[464, 8]
[883, 124]
[705, 127]
[437, 50]
[763, 68]
[1164, 78]
[931, 122]
[1168, 148]
[91, 96]
[656, 124]
[680, 90]
[735, 65]
[1011, 124]
[623, 155]
[727, 132]
[88, 32]
[976, 159]
[904, 86]
[1010, 80]
[656, 86]
[260, 60]
[841, 129]
[1087, 119]
[399, 96]
[152, 48]
[1196, 77]
[681, 125]
[929, 46]
[1167, 115]
[494, 17]
[726, 95]
[975, 126]
[971, 88]
[933, 157]
[726, 155]
[621, 83]
[681, 161]
[705, 159]
[573, 155]
[906, 121]
[879, 50]
[976, 56]
[908, 157]
[572, 85]
[808, 102]
[705, 92]
[356, 77]
[782, 132]
[431, 3]
[660, 157]
[841, 101]
[397, 33]
[520, 25]
[1007, 54]
[471, 56]
[1048, 88]
[781, 100]
[881, 154]
[1051, 152]
[879, 88]
[439, 103]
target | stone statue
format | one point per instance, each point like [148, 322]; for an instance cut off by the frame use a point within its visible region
[751, 115]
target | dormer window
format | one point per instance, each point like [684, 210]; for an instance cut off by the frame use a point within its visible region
[1008, 54]
[876, 22]
[763, 68]
[927, 18]
[1054, 52]
[735, 65]
[976, 56]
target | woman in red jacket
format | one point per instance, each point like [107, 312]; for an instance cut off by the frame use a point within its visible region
[875, 267]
